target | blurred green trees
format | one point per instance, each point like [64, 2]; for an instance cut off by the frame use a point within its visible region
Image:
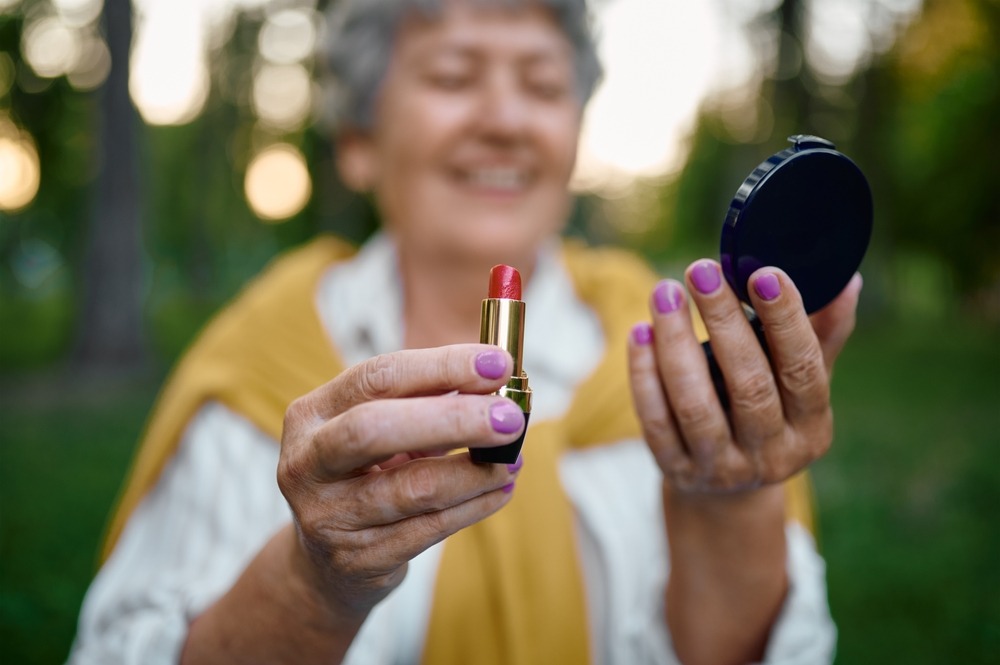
[37, 295]
[939, 135]
[920, 120]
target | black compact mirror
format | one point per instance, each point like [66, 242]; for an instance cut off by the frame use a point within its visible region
[806, 210]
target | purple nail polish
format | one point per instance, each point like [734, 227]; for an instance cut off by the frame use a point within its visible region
[516, 466]
[705, 277]
[491, 364]
[506, 417]
[667, 297]
[508, 488]
[767, 286]
[642, 333]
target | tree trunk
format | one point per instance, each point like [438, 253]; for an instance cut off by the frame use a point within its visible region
[790, 95]
[110, 336]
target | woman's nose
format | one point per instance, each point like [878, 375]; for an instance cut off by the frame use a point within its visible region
[503, 113]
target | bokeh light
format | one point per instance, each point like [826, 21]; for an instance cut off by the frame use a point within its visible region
[169, 80]
[93, 65]
[34, 262]
[277, 183]
[838, 39]
[288, 36]
[65, 43]
[20, 172]
[282, 95]
[78, 13]
[51, 47]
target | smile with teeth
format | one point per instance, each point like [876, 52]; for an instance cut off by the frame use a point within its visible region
[508, 179]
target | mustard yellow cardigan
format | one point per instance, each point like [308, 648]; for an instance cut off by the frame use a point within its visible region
[509, 589]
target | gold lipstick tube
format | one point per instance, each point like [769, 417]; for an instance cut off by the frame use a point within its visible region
[502, 324]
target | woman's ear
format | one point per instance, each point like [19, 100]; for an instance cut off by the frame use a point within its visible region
[356, 161]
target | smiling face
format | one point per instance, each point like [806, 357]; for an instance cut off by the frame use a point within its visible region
[475, 134]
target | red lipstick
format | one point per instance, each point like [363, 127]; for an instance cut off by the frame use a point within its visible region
[505, 282]
[502, 323]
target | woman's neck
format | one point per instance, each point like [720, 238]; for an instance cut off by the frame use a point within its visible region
[441, 300]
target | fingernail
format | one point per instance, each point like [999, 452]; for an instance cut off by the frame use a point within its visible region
[506, 418]
[705, 277]
[508, 488]
[666, 297]
[642, 333]
[516, 466]
[491, 364]
[767, 286]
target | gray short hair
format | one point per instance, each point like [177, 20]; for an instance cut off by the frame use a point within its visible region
[361, 33]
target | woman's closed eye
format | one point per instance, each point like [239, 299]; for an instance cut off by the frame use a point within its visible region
[450, 73]
[549, 89]
[450, 79]
[546, 80]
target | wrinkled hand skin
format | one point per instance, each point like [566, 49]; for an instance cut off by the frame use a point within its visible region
[364, 469]
[780, 419]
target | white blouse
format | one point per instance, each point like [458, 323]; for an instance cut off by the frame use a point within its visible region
[217, 503]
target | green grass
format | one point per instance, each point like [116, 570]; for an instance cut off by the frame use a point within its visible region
[908, 497]
[61, 464]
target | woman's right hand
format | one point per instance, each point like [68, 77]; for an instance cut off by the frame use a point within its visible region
[364, 471]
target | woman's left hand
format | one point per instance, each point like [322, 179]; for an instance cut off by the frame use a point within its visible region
[779, 419]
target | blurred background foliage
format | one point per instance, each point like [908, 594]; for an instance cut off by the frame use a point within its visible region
[125, 225]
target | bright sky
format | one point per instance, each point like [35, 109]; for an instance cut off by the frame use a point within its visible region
[659, 58]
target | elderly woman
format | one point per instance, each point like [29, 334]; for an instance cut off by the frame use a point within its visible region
[648, 523]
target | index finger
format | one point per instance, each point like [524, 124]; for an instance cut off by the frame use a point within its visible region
[466, 368]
